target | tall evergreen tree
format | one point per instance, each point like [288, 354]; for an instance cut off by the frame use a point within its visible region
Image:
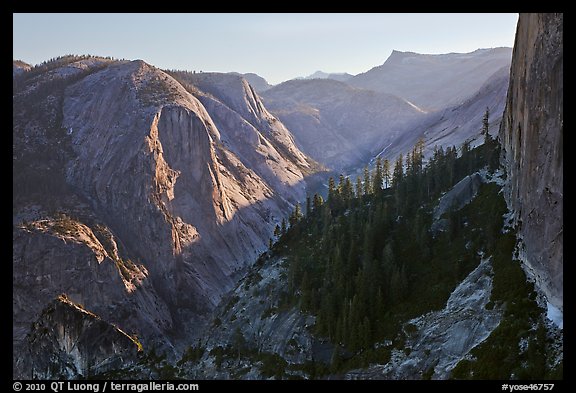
[485, 121]
[398, 171]
[418, 155]
[367, 182]
[347, 191]
[358, 187]
[296, 215]
[386, 173]
[378, 177]
[317, 202]
[331, 190]
[486, 125]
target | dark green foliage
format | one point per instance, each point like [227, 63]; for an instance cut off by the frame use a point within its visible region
[273, 365]
[193, 354]
[369, 262]
[158, 365]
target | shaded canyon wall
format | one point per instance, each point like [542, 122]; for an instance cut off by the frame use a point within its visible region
[531, 135]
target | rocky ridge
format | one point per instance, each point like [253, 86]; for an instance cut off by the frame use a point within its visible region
[433, 82]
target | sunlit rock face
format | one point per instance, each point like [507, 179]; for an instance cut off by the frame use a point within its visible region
[531, 135]
[139, 200]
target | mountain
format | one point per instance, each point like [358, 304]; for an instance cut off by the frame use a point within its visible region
[256, 81]
[441, 98]
[433, 82]
[336, 124]
[454, 125]
[342, 76]
[140, 198]
[532, 140]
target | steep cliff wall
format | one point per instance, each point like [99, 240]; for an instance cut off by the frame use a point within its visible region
[531, 135]
[138, 201]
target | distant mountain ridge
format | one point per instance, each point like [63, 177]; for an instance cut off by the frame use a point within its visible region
[434, 81]
[337, 124]
[441, 98]
[256, 81]
[338, 76]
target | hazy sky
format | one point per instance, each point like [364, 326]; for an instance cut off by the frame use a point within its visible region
[276, 46]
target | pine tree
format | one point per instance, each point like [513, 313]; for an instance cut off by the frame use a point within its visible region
[367, 183]
[308, 206]
[358, 187]
[418, 155]
[386, 173]
[409, 164]
[331, 190]
[317, 202]
[378, 177]
[283, 227]
[347, 191]
[398, 171]
[341, 181]
[486, 122]
[296, 215]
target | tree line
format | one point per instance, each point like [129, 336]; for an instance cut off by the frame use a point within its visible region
[365, 259]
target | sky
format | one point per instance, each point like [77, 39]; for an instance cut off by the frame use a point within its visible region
[277, 47]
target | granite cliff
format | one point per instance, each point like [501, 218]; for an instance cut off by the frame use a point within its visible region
[531, 134]
[137, 200]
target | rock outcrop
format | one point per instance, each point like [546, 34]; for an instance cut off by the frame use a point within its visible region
[531, 134]
[460, 195]
[440, 339]
[251, 317]
[68, 341]
[139, 201]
